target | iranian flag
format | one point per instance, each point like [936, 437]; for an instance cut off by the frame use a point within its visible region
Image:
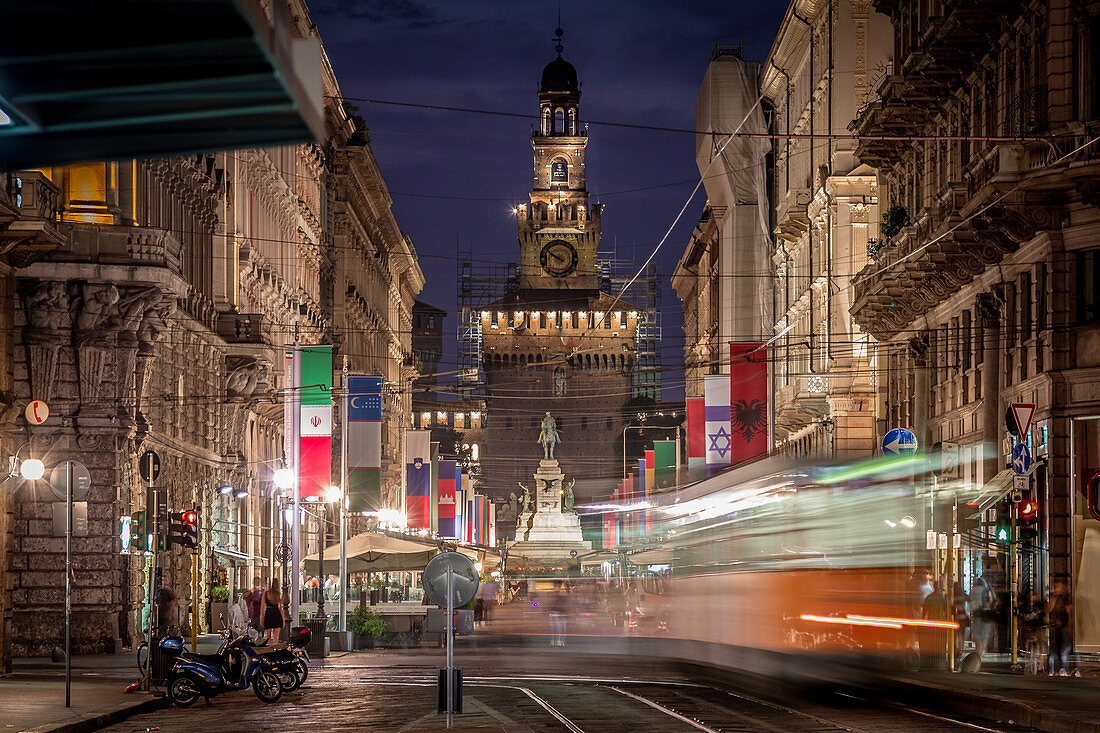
[315, 420]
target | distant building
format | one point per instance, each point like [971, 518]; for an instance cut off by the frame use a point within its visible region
[427, 344]
[724, 277]
[556, 343]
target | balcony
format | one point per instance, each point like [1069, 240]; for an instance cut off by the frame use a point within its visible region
[30, 210]
[244, 328]
[801, 402]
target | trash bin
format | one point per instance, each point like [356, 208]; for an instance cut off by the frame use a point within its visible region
[316, 646]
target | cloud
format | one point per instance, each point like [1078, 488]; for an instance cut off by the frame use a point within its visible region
[405, 12]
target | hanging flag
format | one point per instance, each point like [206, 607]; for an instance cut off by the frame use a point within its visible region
[492, 542]
[447, 498]
[315, 420]
[664, 451]
[650, 474]
[433, 485]
[748, 402]
[716, 387]
[457, 522]
[418, 474]
[696, 433]
[364, 444]
[461, 513]
[609, 539]
[469, 536]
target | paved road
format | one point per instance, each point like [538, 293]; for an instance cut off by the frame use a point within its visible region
[388, 692]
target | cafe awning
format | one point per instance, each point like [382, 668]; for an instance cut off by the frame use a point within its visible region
[371, 552]
[118, 79]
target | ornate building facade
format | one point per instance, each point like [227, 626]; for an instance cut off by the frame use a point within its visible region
[817, 76]
[558, 344]
[986, 295]
[160, 322]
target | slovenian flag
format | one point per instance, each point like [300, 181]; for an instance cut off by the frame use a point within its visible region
[315, 420]
[447, 481]
[716, 391]
[418, 475]
[364, 444]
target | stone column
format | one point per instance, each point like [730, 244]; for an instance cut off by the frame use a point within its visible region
[989, 311]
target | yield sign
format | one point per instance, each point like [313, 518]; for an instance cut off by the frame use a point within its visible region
[1022, 413]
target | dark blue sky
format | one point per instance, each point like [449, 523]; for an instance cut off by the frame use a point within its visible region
[639, 62]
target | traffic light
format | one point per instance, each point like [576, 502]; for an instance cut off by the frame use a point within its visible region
[1002, 532]
[1029, 510]
[139, 532]
[183, 529]
[1027, 513]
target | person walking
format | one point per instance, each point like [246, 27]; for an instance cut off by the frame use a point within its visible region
[1033, 618]
[1060, 615]
[273, 613]
[254, 598]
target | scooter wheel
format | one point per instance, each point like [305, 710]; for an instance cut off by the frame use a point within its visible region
[288, 679]
[183, 691]
[303, 672]
[267, 687]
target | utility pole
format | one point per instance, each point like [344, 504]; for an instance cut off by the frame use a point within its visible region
[296, 501]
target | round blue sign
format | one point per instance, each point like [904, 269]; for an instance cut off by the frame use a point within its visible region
[572, 553]
[898, 442]
[1021, 459]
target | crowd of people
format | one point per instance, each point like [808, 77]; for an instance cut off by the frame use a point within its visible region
[1044, 623]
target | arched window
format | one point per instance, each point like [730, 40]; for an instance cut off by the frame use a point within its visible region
[559, 171]
[546, 121]
[559, 121]
[572, 121]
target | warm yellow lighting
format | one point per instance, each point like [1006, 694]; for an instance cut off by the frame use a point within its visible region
[518, 314]
[564, 315]
[633, 314]
[581, 314]
[484, 314]
[284, 478]
[425, 417]
[534, 314]
[619, 315]
[333, 494]
[599, 315]
[475, 415]
[442, 415]
[500, 314]
[908, 522]
[474, 452]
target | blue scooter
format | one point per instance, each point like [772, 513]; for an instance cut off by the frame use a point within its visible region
[235, 666]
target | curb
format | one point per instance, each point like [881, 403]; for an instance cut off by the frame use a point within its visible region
[100, 718]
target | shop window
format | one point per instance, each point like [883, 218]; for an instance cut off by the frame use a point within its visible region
[1088, 278]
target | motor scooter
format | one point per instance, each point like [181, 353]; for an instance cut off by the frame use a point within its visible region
[235, 666]
[290, 657]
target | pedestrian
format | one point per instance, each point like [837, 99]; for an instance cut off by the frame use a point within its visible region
[1036, 631]
[486, 599]
[558, 608]
[1060, 615]
[168, 604]
[273, 613]
[254, 599]
[959, 613]
[983, 613]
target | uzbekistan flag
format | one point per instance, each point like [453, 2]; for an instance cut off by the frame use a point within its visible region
[315, 420]
[447, 482]
[716, 388]
[364, 444]
[418, 475]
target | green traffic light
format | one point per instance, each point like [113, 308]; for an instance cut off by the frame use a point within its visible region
[1002, 534]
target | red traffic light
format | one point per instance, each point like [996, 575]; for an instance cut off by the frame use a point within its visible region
[1029, 509]
[189, 517]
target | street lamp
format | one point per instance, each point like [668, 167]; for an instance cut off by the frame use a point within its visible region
[284, 478]
[32, 469]
[332, 494]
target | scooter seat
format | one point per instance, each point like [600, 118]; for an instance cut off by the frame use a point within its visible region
[214, 660]
[269, 649]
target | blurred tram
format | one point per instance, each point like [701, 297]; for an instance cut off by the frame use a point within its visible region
[812, 559]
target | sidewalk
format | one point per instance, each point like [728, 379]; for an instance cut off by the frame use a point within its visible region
[32, 697]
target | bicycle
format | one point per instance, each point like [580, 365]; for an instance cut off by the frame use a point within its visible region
[143, 647]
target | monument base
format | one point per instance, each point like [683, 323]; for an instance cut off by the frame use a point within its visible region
[546, 533]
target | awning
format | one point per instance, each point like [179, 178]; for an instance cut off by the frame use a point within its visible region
[118, 79]
[992, 491]
[239, 557]
[487, 558]
[371, 552]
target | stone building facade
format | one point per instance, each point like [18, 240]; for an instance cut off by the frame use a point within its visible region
[988, 296]
[723, 278]
[817, 76]
[159, 322]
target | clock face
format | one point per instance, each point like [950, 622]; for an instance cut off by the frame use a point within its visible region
[558, 258]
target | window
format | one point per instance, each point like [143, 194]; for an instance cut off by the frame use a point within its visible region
[559, 171]
[559, 121]
[1088, 278]
[546, 121]
[572, 121]
[508, 422]
[966, 345]
[584, 422]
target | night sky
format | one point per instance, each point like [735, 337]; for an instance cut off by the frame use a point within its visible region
[455, 176]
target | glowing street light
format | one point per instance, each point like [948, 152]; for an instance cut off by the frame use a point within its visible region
[32, 469]
[284, 478]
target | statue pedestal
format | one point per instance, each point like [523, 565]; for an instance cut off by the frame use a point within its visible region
[546, 533]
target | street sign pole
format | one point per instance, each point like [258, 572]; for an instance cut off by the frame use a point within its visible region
[450, 647]
[344, 499]
[295, 523]
[149, 469]
[68, 583]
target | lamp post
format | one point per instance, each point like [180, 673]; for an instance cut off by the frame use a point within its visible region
[284, 479]
[332, 494]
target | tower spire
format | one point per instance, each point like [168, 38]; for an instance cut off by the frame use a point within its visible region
[558, 33]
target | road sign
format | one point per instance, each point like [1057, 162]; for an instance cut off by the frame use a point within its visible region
[949, 460]
[434, 578]
[36, 412]
[1021, 413]
[898, 442]
[82, 480]
[1021, 459]
[149, 466]
[572, 553]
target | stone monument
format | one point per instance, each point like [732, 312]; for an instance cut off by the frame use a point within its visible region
[545, 531]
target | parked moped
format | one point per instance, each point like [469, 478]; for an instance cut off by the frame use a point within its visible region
[235, 666]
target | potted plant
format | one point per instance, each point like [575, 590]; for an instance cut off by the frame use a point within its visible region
[893, 221]
[219, 606]
[367, 626]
